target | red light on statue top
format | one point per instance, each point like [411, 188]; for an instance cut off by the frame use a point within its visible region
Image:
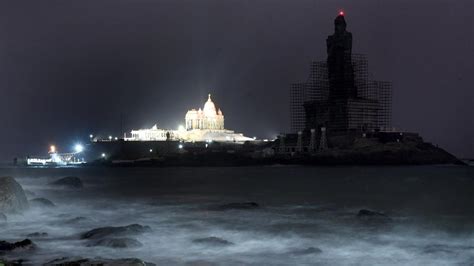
[341, 13]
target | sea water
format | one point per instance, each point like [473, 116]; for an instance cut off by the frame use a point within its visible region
[306, 215]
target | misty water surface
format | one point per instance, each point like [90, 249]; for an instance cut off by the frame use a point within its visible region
[307, 215]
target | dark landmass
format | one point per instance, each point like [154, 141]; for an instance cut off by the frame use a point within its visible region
[360, 153]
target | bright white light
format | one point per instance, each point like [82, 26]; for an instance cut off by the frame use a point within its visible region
[181, 128]
[151, 150]
[79, 148]
[207, 145]
[103, 155]
[110, 137]
[91, 136]
[52, 149]
[55, 158]
[180, 146]
[116, 138]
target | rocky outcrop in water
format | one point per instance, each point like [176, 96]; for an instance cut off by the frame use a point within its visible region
[239, 206]
[42, 202]
[19, 262]
[369, 213]
[213, 241]
[12, 196]
[37, 235]
[75, 220]
[115, 231]
[116, 243]
[29, 193]
[68, 182]
[305, 251]
[21, 245]
[98, 261]
[373, 216]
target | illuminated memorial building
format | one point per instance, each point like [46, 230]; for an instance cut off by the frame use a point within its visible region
[201, 125]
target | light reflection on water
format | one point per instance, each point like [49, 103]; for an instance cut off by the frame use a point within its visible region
[179, 206]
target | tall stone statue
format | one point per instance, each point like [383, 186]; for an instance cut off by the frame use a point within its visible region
[341, 73]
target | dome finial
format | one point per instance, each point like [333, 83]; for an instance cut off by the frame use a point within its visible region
[209, 97]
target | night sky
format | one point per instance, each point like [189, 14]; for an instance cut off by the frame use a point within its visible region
[71, 68]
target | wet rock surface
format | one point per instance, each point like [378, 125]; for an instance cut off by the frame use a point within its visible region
[18, 262]
[364, 213]
[29, 193]
[213, 241]
[115, 231]
[239, 206]
[69, 182]
[200, 263]
[116, 243]
[42, 202]
[37, 235]
[75, 261]
[305, 251]
[76, 220]
[12, 196]
[20, 245]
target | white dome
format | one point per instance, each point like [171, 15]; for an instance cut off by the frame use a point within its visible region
[209, 108]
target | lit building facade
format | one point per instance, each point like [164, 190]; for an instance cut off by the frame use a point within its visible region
[153, 133]
[208, 118]
[206, 124]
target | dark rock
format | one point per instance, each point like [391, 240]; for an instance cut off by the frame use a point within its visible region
[112, 231]
[18, 262]
[12, 196]
[116, 243]
[69, 182]
[77, 261]
[42, 202]
[214, 241]
[368, 213]
[29, 193]
[239, 206]
[200, 263]
[3, 217]
[24, 244]
[75, 220]
[306, 251]
[437, 249]
[37, 235]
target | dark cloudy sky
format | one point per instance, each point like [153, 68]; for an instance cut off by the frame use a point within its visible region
[70, 68]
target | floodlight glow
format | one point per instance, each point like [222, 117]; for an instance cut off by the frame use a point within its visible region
[103, 155]
[110, 137]
[181, 128]
[52, 149]
[91, 136]
[116, 138]
[180, 146]
[151, 150]
[79, 148]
